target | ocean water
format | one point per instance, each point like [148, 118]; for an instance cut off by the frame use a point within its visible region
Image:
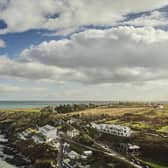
[30, 104]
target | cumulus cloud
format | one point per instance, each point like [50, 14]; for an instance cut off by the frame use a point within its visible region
[33, 70]
[2, 44]
[117, 55]
[155, 18]
[22, 15]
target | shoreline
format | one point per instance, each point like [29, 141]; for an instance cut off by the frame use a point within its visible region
[8, 153]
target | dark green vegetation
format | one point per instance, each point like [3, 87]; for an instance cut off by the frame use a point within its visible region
[68, 108]
[151, 134]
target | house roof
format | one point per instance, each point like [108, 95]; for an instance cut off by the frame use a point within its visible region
[47, 128]
[133, 146]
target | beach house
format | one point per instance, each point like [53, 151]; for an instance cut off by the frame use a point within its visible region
[49, 132]
[72, 132]
[112, 129]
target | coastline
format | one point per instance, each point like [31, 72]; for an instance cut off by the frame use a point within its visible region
[9, 157]
[3, 155]
[11, 105]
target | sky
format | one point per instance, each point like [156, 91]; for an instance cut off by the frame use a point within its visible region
[84, 50]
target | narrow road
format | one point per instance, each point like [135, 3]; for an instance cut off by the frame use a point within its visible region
[119, 156]
[105, 151]
[109, 152]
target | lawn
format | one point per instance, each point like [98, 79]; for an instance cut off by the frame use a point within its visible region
[139, 125]
[21, 110]
[112, 121]
[164, 129]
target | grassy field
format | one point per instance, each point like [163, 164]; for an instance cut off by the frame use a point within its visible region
[135, 117]
[164, 129]
[147, 118]
[108, 111]
[21, 110]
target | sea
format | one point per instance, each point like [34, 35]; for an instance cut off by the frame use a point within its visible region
[34, 104]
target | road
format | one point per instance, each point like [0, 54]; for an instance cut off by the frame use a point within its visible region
[135, 163]
[108, 152]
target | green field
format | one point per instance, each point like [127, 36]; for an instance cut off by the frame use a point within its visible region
[164, 129]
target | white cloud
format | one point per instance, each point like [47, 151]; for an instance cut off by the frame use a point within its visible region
[117, 55]
[2, 44]
[155, 18]
[22, 15]
[33, 70]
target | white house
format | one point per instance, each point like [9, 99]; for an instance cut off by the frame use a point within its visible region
[160, 106]
[73, 120]
[72, 133]
[49, 132]
[112, 129]
[88, 153]
[73, 155]
[84, 157]
[68, 163]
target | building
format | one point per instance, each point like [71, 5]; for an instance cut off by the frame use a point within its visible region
[49, 132]
[59, 122]
[74, 120]
[84, 157]
[112, 129]
[129, 149]
[88, 153]
[72, 133]
[67, 163]
[73, 155]
[26, 134]
[158, 106]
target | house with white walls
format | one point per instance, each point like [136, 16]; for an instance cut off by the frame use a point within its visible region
[49, 132]
[72, 133]
[112, 129]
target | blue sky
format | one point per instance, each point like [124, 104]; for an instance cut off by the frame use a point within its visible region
[114, 50]
[16, 42]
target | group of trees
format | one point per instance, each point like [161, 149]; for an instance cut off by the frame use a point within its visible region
[72, 107]
[67, 108]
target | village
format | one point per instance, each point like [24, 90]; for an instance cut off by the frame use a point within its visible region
[73, 140]
[62, 140]
[64, 135]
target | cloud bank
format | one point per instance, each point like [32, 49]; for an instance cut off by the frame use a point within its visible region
[117, 55]
[96, 45]
[23, 15]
